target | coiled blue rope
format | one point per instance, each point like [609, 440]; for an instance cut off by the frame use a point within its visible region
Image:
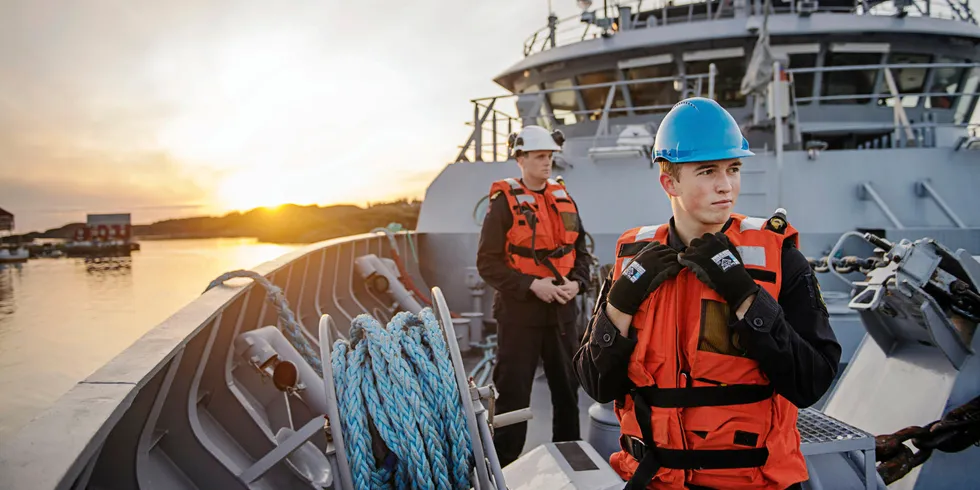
[288, 325]
[400, 381]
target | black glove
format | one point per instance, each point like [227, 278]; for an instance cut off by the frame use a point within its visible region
[717, 263]
[645, 273]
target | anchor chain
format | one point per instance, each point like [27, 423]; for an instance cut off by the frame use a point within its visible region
[845, 265]
[954, 432]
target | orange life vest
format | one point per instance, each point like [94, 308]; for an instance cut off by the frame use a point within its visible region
[713, 417]
[541, 241]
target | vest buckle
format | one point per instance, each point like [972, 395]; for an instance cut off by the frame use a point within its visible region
[634, 446]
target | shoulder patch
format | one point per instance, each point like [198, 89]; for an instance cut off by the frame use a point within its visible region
[495, 194]
[816, 295]
[776, 224]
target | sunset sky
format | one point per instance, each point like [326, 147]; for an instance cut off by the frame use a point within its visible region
[190, 107]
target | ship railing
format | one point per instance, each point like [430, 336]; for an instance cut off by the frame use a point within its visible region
[917, 135]
[905, 132]
[881, 75]
[637, 14]
[492, 125]
[936, 9]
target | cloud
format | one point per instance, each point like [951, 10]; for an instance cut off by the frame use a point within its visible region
[129, 105]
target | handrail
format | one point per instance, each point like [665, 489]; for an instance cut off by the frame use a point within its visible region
[890, 66]
[693, 84]
[883, 68]
[561, 32]
[483, 107]
[598, 85]
[545, 33]
[884, 95]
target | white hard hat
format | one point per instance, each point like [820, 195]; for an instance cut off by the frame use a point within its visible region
[534, 138]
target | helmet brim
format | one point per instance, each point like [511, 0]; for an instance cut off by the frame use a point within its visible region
[708, 156]
[544, 147]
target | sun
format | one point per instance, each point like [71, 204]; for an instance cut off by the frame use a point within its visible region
[250, 189]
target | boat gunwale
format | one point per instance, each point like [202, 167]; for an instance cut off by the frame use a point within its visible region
[55, 447]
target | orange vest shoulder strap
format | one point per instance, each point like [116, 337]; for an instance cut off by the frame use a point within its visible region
[515, 192]
[633, 240]
[773, 230]
[557, 190]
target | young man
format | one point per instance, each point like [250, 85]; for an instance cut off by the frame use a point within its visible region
[713, 332]
[532, 252]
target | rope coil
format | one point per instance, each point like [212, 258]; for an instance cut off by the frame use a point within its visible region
[400, 382]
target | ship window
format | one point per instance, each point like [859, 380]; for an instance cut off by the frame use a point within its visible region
[595, 98]
[907, 80]
[527, 102]
[945, 80]
[728, 81]
[803, 82]
[852, 82]
[648, 94]
[966, 102]
[562, 103]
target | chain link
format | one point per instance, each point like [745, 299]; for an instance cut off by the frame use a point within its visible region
[956, 431]
[844, 265]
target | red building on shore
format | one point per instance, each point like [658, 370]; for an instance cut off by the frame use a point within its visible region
[106, 228]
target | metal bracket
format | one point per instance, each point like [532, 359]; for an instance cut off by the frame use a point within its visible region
[272, 458]
[924, 188]
[865, 192]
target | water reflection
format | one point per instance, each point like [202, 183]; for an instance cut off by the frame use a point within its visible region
[7, 304]
[61, 319]
[108, 265]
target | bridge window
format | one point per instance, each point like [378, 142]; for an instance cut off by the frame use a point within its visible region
[563, 102]
[803, 82]
[945, 80]
[595, 97]
[907, 80]
[656, 95]
[966, 102]
[728, 81]
[851, 82]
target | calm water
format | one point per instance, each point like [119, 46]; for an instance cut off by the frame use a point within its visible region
[62, 319]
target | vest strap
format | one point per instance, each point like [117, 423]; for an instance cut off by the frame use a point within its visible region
[705, 459]
[631, 249]
[649, 463]
[540, 254]
[761, 275]
[704, 396]
[543, 256]
[651, 458]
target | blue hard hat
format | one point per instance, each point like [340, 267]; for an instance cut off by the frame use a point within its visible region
[699, 130]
